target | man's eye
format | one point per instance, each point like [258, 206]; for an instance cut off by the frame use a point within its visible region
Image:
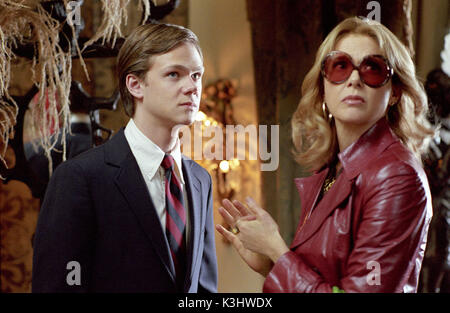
[173, 74]
[196, 76]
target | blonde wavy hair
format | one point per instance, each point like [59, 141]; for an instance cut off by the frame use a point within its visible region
[315, 138]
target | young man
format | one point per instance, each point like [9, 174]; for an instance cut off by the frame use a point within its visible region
[134, 215]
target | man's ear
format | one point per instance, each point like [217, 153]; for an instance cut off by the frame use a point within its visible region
[134, 85]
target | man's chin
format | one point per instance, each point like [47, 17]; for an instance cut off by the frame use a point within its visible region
[185, 120]
[182, 124]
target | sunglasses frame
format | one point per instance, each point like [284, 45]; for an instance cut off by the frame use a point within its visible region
[389, 68]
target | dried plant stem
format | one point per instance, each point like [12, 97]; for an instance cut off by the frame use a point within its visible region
[51, 68]
[114, 15]
[114, 11]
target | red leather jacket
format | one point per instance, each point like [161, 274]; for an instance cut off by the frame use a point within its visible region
[369, 231]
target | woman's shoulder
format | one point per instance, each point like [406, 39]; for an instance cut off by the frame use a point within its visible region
[395, 162]
[396, 178]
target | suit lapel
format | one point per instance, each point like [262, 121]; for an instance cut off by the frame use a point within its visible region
[131, 184]
[331, 200]
[193, 191]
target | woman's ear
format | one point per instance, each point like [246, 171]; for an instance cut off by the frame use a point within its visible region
[134, 86]
[395, 95]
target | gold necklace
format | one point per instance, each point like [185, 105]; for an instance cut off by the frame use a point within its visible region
[328, 183]
[331, 178]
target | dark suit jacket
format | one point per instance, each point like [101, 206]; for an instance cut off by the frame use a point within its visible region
[79, 141]
[98, 212]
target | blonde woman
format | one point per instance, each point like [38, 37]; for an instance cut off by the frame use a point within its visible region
[360, 127]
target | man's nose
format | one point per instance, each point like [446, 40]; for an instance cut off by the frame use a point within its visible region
[190, 87]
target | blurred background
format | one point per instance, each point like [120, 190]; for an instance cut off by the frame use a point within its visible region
[256, 53]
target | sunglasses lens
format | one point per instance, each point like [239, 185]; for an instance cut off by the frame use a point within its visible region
[374, 71]
[337, 68]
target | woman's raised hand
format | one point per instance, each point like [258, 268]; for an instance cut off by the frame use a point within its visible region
[232, 212]
[254, 234]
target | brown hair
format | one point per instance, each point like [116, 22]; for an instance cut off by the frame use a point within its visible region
[315, 138]
[144, 42]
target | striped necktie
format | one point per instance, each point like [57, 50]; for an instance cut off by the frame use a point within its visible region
[175, 219]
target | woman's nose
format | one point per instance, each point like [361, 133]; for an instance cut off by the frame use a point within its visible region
[354, 79]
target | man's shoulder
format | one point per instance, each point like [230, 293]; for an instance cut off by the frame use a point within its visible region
[199, 170]
[89, 162]
[90, 157]
[112, 151]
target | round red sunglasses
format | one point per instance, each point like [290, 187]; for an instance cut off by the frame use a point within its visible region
[374, 70]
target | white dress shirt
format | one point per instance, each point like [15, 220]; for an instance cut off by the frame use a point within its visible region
[149, 156]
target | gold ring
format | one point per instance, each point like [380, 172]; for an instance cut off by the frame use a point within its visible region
[235, 230]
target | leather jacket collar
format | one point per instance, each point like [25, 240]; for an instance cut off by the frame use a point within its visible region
[367, 148]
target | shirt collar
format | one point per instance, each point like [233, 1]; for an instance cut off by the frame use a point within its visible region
[368, 147]
[148, 154]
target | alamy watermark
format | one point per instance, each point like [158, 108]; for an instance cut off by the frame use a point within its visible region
[73, 278]
[74, 13]
[214, 142]
[375, 14]
[374, 277]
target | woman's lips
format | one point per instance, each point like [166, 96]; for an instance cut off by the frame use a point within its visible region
[353, 100]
